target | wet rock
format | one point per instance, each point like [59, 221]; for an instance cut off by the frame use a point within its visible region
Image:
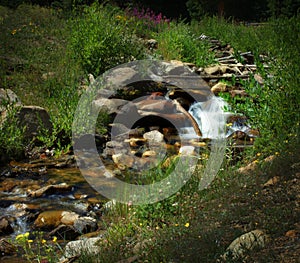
[35, 119]
[5, 227]
[6, 248]
[51, 219]
[51, 189]
[79, 247]
[256, 239]
[48, 219]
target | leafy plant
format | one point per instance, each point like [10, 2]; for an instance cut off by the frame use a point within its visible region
[37, 249]
[12, 135]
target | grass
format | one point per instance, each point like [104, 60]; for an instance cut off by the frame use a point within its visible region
[45, 59]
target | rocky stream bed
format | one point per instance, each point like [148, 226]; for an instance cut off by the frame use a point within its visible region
[153, 110]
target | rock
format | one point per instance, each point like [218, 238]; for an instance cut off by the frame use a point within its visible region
[245, 243]
[156, 105]
[136, 142]
[123, 160]
[8, 100]
[259, 79]
[235, 92]
[214, 70]
[120, 77]
[54, 218]
[68, 218]
[274, 180]
[6, 248]
[81, 247]
[85, 224]
[109, 105]
[219, 87]
[48, 219]
[51, 189]
[154, 137]
[187, 150]
[152, 44]
[292, 234]
[8, 97]
[48, 75]
[5, 227]
[35, 119]
[147, 154]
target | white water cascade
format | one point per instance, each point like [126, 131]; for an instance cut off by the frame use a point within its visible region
[211, 117]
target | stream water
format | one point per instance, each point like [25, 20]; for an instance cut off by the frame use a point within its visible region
[20, 208]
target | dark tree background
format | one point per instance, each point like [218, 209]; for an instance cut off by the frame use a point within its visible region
[246, 10]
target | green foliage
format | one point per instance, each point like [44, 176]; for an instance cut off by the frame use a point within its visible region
[35, 248]
[178, 42]
[100, 41]
[12, 140]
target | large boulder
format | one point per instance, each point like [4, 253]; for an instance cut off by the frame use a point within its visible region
[36, 119]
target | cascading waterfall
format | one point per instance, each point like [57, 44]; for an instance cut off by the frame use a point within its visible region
[211, 117]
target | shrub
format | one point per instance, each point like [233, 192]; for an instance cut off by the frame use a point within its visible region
[101, 40]
[178, 42]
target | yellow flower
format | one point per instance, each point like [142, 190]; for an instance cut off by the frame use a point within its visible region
[44, 241]
[276, 153]
[14, 31]
[187, 224]
[54, 239]
[229, 124]
[258, 154]
[176, 224]
[29, 240]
